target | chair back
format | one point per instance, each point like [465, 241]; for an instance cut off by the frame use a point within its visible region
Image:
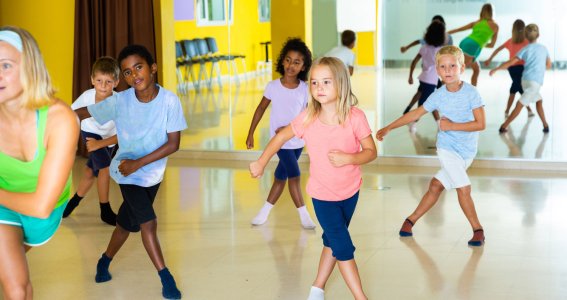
[190, 49]
[212, 43]
[202, 47]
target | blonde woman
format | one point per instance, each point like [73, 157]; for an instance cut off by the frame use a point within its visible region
[37, 150]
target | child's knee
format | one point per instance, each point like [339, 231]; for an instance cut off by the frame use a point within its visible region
[464, 191]
[435, 186]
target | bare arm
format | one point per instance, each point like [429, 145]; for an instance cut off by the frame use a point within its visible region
[412, 67]
[494, 37]
[403, 49]
[478, 124]
[463, 28]
[401, 121]
[548, 63]
[61, 135]
[366, 155]
[350, 70]
[83, 113]
[489, 60]
[284, 135]
[94, 144]
[262, 106]
[129, 166]
[505, 65]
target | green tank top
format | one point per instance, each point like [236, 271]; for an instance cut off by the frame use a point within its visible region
[21, 176]
[481, 33]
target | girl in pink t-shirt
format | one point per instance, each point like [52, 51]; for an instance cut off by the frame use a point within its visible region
[338, 140]
[514, 45]
[288, 96]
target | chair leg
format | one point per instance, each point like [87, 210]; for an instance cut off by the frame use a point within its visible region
[235, 70]
[217, 65]
[243, 60]
[190, 72]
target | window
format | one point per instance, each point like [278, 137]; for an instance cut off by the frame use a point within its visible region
[264, 10]
[214, 12]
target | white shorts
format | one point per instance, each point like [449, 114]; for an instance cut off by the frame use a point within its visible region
[531, 92]
[453, 173]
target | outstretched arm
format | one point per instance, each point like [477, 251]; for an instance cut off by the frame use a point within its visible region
[275, 144]
[129, 166]
[61, 135]
[463, 28]
[262, 106]
[489, 60]
[83, 113]
[505, 65]
[548, 63]
[403, 49]
[401, 121]
[478, 124]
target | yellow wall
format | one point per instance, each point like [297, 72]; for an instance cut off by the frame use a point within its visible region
[365, 48]
[165, 43]
[52, 25]
[245, 33]
[288, 20]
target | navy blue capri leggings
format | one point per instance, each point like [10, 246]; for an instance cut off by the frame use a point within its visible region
[334, 217]
[516, 75]
[288, 166]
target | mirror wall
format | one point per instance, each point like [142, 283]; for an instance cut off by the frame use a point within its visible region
[226, 86]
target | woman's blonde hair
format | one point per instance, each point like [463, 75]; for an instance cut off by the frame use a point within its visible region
[341, 79]
[518, 31]
[486, 12]
[35, 80]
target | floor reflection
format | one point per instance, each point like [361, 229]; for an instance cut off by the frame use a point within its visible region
[219, 118]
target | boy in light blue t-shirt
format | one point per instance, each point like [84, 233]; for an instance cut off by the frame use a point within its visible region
[462, 117]
[536, 58]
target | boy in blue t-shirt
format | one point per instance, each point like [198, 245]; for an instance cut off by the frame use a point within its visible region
[536, 60]
[462, 117]
[148, 121]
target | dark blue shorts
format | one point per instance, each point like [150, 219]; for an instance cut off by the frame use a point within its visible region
[100, 158]
[334, 217]
[137, 207]
[426, 90]
[288, 166]
[516, 75]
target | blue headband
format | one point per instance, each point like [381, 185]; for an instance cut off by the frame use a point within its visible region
[11, 38]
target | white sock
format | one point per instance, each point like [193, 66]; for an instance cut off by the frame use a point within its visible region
[263, 214]
[316, 294]
[305, 218]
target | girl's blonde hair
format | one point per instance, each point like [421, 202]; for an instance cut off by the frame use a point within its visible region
[35, 80]
[532, 32]
[341, 79]
[518, 31]
[486, 12]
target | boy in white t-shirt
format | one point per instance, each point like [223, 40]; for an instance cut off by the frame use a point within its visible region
[99, 138]
[344, 52]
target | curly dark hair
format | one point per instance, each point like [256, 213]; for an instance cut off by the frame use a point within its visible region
[295, 44]
[435, 34]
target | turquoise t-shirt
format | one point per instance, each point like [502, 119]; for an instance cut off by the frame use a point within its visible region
[141, 129]
[458, 107]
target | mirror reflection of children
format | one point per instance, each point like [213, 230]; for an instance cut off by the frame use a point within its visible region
[484, 34]
[38, 142]
[338, 140]
[462, 117]
[537, 60]
[514, 45]
[288, 96]
[434, 39]
[149, 120]
[99, 138]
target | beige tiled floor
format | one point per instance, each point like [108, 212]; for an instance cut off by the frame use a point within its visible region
[204, 209]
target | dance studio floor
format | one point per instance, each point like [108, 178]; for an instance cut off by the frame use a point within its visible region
[204, 210]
